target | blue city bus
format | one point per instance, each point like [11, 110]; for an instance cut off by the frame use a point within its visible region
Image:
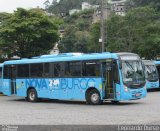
[157, 63]
[1, 77]
[93, 78]
[151, 73]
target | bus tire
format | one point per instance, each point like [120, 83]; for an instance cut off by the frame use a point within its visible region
[32, 95]
[93, 98]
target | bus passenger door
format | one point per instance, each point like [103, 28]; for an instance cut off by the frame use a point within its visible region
[13, 79]
[110, 76]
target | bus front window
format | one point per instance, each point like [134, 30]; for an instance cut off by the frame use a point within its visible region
[133, 74]
[151, 73]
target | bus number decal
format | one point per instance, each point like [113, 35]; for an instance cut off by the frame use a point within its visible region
[53, 83]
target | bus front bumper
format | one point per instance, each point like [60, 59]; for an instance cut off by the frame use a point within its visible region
[133, 94]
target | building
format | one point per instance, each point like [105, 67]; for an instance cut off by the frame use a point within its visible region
[73, 11]
[86, 5]
[118, 7]
[55, 49]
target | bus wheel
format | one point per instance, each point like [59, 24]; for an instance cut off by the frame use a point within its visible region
[93, 98]
[32, 95]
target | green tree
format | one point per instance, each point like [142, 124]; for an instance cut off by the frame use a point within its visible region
[63, 6]
[77, 32]
[94, 45]
[137, 32]
[140, 3]
[28, 32]
[3, 17]
[68, 40]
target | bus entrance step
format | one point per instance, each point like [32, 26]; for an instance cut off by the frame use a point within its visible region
[108, 99]
[111, 95]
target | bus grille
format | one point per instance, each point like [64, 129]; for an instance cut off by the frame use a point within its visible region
[136, 94]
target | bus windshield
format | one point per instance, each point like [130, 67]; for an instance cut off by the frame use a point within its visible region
[132, 72]
[151, 72]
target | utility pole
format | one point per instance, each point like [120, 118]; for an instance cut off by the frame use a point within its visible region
[102, 24]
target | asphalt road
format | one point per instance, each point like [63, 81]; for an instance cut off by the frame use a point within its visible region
[16, 111]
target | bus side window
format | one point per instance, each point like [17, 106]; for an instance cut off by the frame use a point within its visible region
[57, 70]
[98, 69]
[67, 69]
[91, 68]
[23, 70]
[72, 69]
[36, 70]
[46, 70]
[75, 68]
[0, 71]
[6, 72]
[83, 68]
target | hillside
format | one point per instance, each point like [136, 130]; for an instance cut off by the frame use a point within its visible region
[63, 6]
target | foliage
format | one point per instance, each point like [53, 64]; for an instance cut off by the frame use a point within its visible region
[77, 36]
[93, 45]
[137, 32]
[140, 3]
[63, 6]
[28, 33]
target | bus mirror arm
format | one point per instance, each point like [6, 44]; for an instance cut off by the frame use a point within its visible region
[120, 64]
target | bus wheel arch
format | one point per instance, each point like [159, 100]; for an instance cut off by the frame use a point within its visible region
[32, 95]
[93, 96]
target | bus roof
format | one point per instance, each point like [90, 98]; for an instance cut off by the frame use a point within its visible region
[126, 53]
[68, 57]
[148, 62]
[62, 57]
[157, 62]
[1, 64]
[128, 56]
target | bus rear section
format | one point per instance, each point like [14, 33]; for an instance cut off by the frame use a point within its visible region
[93, 78]
[151, 73]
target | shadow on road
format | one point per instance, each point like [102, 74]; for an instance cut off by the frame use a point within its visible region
[153, 90]
[67, 102]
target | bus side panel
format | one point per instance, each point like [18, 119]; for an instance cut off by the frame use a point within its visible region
[59, 88]
[46, 88]
[40, 85]
[73, 88]
[6, 87]
[21, 88]
[118, 92]
[65, 87]
[1, 83]
[80, 86]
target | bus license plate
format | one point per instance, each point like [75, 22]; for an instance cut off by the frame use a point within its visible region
[137, 94]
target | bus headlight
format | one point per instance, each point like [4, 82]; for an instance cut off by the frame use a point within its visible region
[126, 88]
